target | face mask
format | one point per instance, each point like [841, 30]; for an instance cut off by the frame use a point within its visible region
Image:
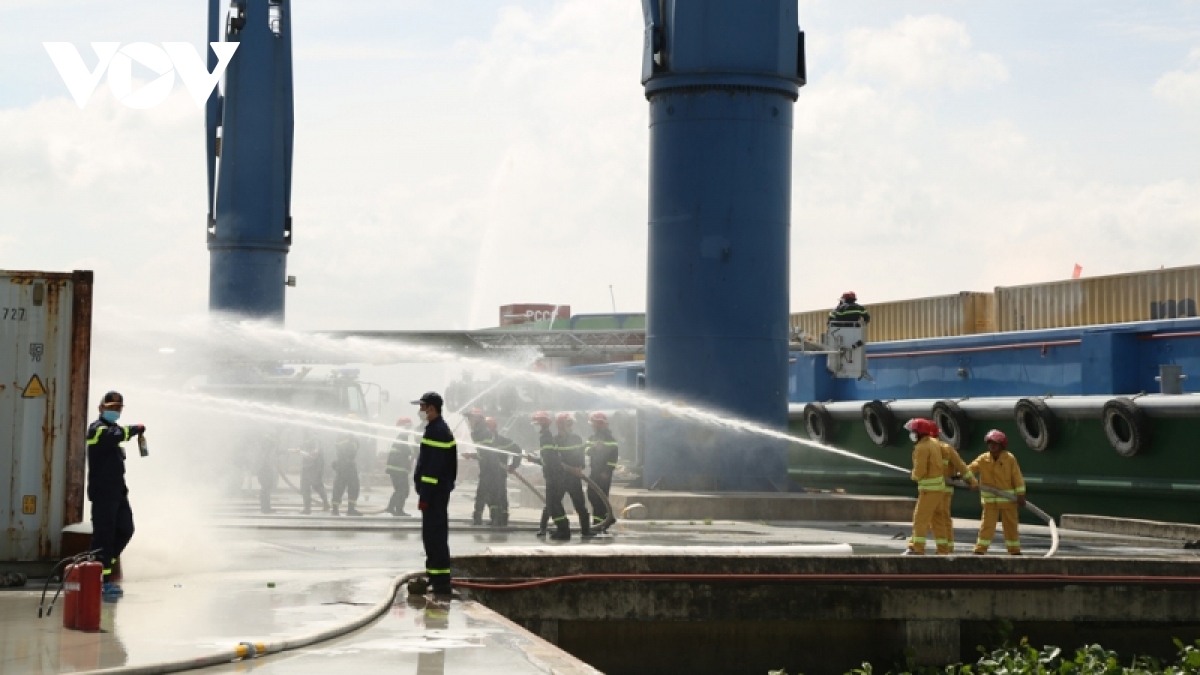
[110, 415]
[913, 435]
[422, 415]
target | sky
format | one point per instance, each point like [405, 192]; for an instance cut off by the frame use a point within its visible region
[452, 156]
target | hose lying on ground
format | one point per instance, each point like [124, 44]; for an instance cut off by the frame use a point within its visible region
[248, 650]
[1029, 505]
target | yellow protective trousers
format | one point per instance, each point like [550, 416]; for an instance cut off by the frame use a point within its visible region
[929, 502]
[1007, 514]
[943, 525]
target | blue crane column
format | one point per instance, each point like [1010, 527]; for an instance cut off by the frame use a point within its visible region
[250, 161]
[721, 77]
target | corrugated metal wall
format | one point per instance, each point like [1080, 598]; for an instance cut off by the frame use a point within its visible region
[965, 313]
[45, 339]
[1141, 296]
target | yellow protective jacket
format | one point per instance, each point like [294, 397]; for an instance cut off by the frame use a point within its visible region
[1002, 473]
[953, 464]
[927, 465]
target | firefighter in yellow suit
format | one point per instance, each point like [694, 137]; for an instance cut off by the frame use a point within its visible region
[943, 525]
[997, 468]
[928, 474]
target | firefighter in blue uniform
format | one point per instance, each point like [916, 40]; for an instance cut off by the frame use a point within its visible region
[399, 463]
[345, 473]
[509, 464]
[112, 518]
[602, 455]
[312, 470]
[541, 419]
[437, 467]
[566, 469]
[491, 471]
[849, 311]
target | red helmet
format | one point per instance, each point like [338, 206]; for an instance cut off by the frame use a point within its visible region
[404, 422]
[850, 295]
[564, 419]
[996, 436]
[598, 418]
[490, 422]
[922, 427]
[540, 417]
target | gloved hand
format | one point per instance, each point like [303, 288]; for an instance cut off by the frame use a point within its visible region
[137, 429]
[421, 505]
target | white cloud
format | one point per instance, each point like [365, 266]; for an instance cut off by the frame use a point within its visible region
[1181, 87]
[922, 52]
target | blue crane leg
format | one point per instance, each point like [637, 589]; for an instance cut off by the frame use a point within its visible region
[249, 229]
[721, 92]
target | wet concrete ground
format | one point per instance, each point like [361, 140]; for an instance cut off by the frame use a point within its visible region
[212, 591]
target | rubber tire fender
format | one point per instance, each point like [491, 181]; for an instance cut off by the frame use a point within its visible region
[818, 422]
[953, 422]
[1123, 415]
[880, 423]
[1035, 423]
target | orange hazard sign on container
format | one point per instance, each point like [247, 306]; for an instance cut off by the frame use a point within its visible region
[34, 389]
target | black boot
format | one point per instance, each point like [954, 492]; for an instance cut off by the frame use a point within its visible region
[563, 533]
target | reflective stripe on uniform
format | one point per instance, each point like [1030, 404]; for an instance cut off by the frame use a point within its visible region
[438, 444]
[429, 571]
[429, 479]
[568, 447]
[983, 542]
[917, 540]
[1020, 490]
[613, 464]
[96, 436]
[1012, 544]
[931, 484]
[397, 468]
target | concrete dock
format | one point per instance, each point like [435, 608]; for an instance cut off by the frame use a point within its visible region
[193, 588]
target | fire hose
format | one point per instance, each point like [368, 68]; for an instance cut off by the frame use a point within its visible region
[251, 650]
[611, 518]
[1028, 505]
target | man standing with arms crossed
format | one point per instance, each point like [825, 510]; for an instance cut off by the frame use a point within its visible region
[437, 467]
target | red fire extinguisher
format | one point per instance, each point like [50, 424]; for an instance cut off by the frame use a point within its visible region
[70, 596]
[87, 605]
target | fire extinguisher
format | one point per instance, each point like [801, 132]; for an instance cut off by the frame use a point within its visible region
[70, 596]
[81, 590]
[87, 605]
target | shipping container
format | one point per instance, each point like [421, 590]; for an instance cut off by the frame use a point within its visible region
[965, 313]
[45, 350]
[1139, 296]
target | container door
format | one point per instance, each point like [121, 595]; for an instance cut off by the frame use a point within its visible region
[35, 333]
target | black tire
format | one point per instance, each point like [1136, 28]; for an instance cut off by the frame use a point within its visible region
[880, 423]
[953, 422]
[1126, 426]
[819, 423]
[1036, 423]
